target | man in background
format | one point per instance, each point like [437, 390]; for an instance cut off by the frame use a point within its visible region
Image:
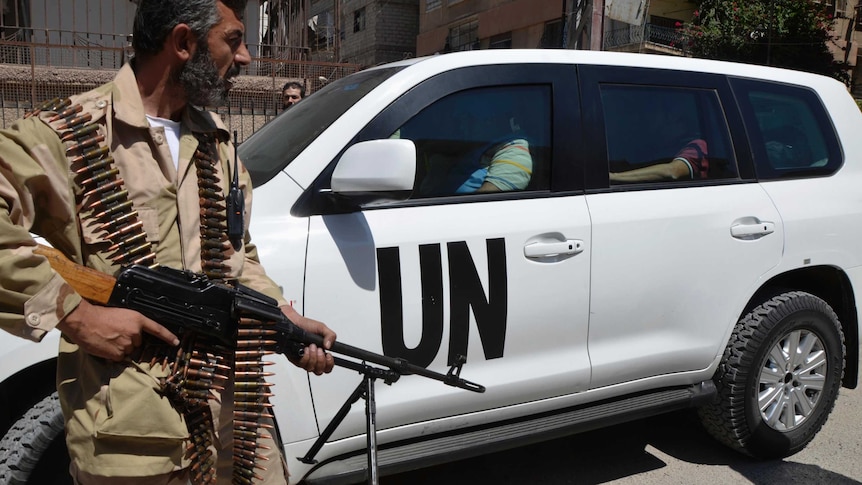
[292, 93]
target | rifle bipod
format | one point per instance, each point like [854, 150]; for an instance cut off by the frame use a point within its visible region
[364, 390]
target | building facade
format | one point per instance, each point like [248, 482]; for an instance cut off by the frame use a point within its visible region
[454, 25]
[364, 32]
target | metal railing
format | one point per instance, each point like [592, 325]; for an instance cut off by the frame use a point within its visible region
[32, 72]
[639, 37]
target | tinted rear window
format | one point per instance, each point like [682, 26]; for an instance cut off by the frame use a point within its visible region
[790, 131]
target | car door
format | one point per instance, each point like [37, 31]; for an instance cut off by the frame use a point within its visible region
[673, 260]
[498, 277]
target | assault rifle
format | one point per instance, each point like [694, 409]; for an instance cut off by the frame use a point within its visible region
[183, 301]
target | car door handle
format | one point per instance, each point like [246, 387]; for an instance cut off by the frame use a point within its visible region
[753, 230]
[546, 249]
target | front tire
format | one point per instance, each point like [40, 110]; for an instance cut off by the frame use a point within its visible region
[33, 450]
[779, 377]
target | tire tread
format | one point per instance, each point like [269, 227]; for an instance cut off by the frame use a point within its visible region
[27, 440]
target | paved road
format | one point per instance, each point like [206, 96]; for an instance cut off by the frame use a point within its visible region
[669, 449]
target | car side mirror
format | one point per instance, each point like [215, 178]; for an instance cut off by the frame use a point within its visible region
[376, 171]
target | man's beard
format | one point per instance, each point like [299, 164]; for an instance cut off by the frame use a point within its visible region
[201, 82]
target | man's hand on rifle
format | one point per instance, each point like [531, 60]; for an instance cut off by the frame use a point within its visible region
[112, 333]
[314, 359]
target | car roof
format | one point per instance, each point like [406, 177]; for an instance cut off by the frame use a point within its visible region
[444, 62]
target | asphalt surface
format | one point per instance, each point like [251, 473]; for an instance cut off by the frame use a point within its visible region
[668, 449]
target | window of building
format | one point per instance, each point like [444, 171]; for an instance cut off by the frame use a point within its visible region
[464, 37]
[657, 134]
[552, 36]
[482, 140]
[501, 41]
[359, 20]
[432, 5]
[322, 26]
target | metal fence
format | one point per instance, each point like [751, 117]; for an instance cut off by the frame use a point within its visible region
[31, 73]
[637, 37]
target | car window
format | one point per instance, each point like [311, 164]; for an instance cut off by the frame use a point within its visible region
[790, 131]
[657, 134]
[277, 143]
[484, 140]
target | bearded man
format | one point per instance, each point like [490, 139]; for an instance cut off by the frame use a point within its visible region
[137, 172]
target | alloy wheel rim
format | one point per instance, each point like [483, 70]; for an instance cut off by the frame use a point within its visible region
[791, 380]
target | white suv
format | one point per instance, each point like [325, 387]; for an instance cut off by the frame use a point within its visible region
[661, 233]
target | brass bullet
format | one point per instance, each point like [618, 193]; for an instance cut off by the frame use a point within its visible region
[213, 214]
[138, 250]
[215, 244]
[203, 156]
[86, 143]
[108, 199]
[252, 385]
[74, 122]
[207, 363]
[114, 209]
[249, 454]
[252, 363]
[245, 344]
[241, 480]
[128, 242]
[126, 230]
[213, 234]
[209, 184]
[204, 374]
[255, 332]
[210, 194]
[247, 435]
[254, 374]
[91, 154]
[204, 202]
[207, 173]
[256, 415]
[214, 223]
[105, 187]
[101, 176]
[253, 353]
[43, 107]
[80, 132]
[252, 395]
[118, 221]
[66, 113]
[248, 463]
[149, 258]
[215, 275]
[251, 424]
[93, 164]
[245, 473]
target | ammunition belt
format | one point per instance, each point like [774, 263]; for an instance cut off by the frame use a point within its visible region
[102, 194]
[213, 227]
[252, 409]
[251, 391]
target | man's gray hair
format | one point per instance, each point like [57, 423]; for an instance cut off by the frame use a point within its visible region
[155, 19]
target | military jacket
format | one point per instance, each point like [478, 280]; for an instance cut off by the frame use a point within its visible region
[117, 423]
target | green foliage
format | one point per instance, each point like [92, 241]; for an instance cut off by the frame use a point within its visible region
[859, 104]
[783, 33]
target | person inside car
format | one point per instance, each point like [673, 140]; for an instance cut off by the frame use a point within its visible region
[686, 150]
[495, 158]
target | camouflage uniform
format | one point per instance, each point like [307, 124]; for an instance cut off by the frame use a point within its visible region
[117, 423]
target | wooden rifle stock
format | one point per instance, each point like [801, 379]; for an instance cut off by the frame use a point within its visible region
[92, 285]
